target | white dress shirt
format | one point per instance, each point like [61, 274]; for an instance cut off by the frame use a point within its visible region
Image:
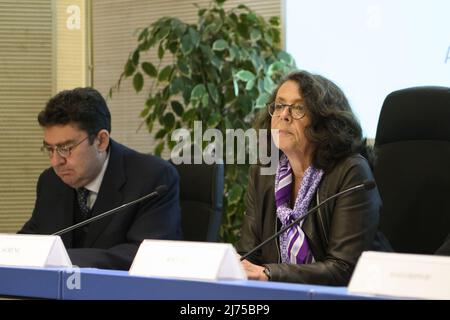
[94, 185]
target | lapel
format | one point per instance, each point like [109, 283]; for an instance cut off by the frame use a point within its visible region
[314, 229]
[63, 217]
[109, 195]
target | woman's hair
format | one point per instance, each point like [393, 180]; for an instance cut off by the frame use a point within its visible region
[334, 130]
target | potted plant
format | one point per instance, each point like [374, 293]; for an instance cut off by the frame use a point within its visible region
[220, 71]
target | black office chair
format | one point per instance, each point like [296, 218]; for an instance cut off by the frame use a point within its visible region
[412, 168]
[201, 200]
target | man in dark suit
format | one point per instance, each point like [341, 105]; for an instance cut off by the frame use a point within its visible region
[91, 173]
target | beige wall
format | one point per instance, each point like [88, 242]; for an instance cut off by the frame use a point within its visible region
[26, 82]
[44, 49]
[72, 54]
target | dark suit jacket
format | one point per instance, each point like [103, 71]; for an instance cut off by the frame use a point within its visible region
[112, 242]
[337, 233]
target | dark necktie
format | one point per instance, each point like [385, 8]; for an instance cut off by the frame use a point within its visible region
[82, 195]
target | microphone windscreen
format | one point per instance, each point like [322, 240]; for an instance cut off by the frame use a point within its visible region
[368, 185]
[161, 189]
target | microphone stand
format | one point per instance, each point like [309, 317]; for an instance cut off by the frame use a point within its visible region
[158, 191]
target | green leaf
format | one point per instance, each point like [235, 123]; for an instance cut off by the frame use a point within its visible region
[195, 37]
[179, 29]
[214, 120]
[233, 18]
[212, 89]
[135, 57]
[275, 67]
[213, 28]
[269, 85]
[243, 6]
[186, 44]
[244, 103]
[234, 53]
[249, 86]
[275, 21]
[262, 100]
[207, 52]
[220, 45]
[245, 75]
[150, 123]
[144, 112]
[150, 102]
[144, 46]
[160, 106]
[242, 30]
[165, 73]
[129, 68]
[160, 51]
[143, 34]
[275, 34]
[235, 193]
[166, 92]
[177, 108]
[187, 90]
[228, 124]
[190, 115]
[169, 121]
[269, 39]
[251, 16]
[172, 46]
[163, 33]
[236, 87]
[170, 143]
[176, 85]
[217, 63]
[198, 92]
[257, 61]
[161, 133]
[285, 57]
[205, 100]
[159, 148]
[255, 34]
[149, 69]
[138, 81]
[184, 67]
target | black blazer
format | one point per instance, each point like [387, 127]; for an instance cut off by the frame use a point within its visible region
[337, 233]
[112, 242]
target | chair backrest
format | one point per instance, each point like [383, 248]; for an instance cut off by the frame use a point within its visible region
[412, 168]
[201, 200]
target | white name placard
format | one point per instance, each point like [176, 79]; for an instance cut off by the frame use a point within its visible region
[187, 260]
[26, 250]
[402, 275]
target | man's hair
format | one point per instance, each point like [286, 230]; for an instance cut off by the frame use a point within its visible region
[83, 106]
[334, 130]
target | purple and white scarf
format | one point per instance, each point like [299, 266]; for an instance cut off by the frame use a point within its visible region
[294, 245]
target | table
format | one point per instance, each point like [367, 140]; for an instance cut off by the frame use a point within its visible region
[89, 283]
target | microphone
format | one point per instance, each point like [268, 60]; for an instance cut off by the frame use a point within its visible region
[160, 190]
[366, 185]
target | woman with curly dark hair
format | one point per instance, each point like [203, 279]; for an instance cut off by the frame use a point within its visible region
[321, 145]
